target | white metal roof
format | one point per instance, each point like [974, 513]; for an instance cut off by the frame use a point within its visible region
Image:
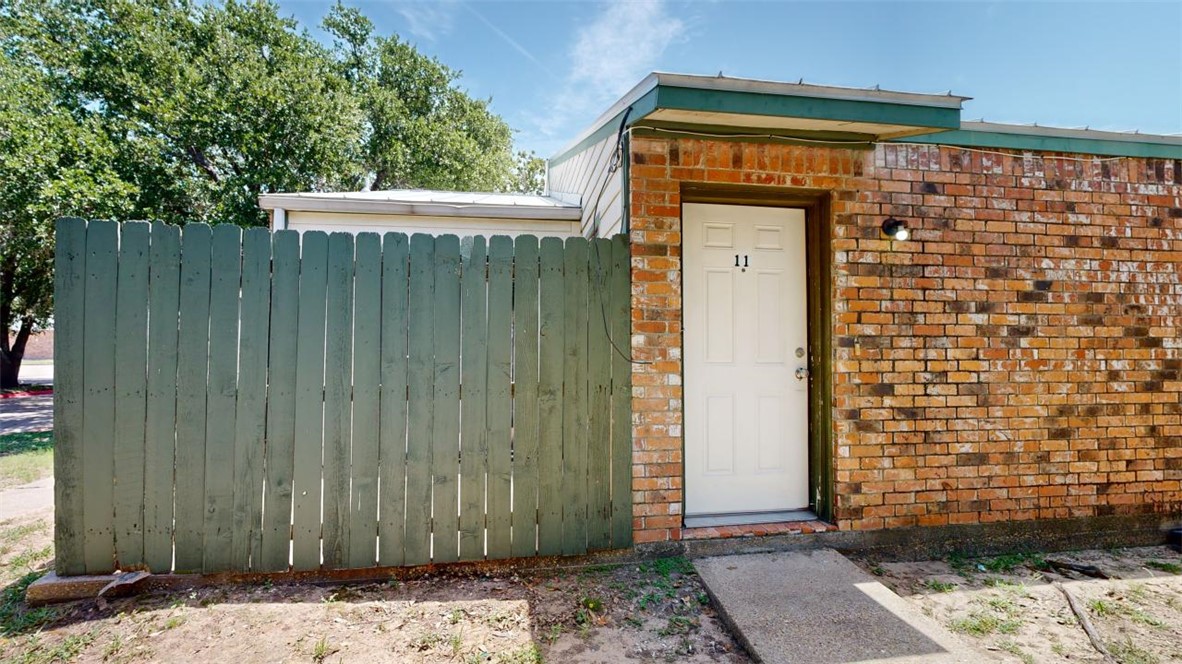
[427, 202]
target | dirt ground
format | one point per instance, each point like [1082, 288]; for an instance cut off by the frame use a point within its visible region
[1008, 604]
[656, 611]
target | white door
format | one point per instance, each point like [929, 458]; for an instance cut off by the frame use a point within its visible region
[746, 354]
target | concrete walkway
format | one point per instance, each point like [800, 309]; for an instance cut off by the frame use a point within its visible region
[26, 498]
[817, 607]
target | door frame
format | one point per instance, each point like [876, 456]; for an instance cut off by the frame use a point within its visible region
[819, 258]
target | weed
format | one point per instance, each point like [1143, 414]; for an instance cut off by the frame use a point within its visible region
[174, 622]
[527, 654]
[633, 621]
[1127, 652]
[457, 643]
[678, 625]
[553, 633]
[593, 604]
[1162, 566]
[15, 616]
[1009, 562]
[1137, 592]
[18, 533]
[980, 623]
[878, 570]
[322, 650]
[393, 583]
[28, 559]
[427, 641]
[703, 599]
[455, 616]
[113, 647]
[1015, 650]
[666, 567]
[66, 650]
[1003, 604]
[1101, 608]
[998, 582]
[1137, 615]
[1058, 649]
[939, 586]
[502, 619]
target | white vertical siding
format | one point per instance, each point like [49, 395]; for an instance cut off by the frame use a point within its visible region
[585, 175]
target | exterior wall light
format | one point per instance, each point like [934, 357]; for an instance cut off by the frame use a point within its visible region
[896, 229]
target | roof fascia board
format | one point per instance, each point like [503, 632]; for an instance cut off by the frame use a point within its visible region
[1055, 141]
[608, 125]
[808, 90]
[358, 206]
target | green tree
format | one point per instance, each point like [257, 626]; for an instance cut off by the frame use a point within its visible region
[51, 164]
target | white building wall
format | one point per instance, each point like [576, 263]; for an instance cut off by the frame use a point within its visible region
[585, 176]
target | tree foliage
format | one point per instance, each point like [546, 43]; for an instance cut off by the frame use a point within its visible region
[184, 111]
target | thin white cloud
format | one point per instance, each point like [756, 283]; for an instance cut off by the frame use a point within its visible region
[509, 40]
[623, 43]
[429, 19]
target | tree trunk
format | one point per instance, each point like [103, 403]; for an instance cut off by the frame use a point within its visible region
[11, 355]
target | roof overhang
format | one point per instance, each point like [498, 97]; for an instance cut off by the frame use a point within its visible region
[737, 106]
[1058, 139]
[357, 204]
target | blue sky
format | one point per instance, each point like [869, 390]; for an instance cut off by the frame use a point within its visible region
[552, 67]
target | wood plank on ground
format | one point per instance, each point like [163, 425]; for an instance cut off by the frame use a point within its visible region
[131, 386]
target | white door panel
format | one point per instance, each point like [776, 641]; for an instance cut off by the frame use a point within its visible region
[745, 316]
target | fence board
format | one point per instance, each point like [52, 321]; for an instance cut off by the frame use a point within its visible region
[281, 403]
[621, 410]
[98, 450]
[309, 412]
[420, 405]
[131, 369]
[599, 505]
[192, 370]
[552, 291]
[525, 396]
[338, 385]
[500, 404]
[574, 402]
[445, 443]
[160, 416]
[392, 431]
[69, 288]
[474, 379]
[367, 330]
[251, 407]
[225, 282]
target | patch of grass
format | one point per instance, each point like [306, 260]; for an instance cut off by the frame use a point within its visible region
[427, 641]
[174, 622]
[1162, 566]
[878, 570]
[593, 604]
[666, 567]
[457, 643]
[939, 586]
[29, 559]
[64, 651]
[1015, 650]
[113, 648]
[1127, 652]
[25, 457]
[678, 625]
[1101, 608]
[527, 654]
[553, 633]
[1011, 561]
[321, 650]
[980, 623]
[455, 616]
[15, 616]
[1004, 605]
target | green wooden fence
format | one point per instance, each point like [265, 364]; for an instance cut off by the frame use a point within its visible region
[230, 400]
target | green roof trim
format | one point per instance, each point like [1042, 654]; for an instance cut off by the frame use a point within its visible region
[640, 108]
[815, 108]
[1152, 147]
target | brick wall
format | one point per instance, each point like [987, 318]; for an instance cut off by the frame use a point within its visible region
[1018, 358]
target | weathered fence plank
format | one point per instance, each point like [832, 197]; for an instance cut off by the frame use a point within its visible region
[225, 284]
[525, 396]
[251, 409]
[445, 443]
[392, 430]
[281, 403]
[473, 418]
[367, 331]
[236, 402]
[131, 385]
[69, 294]
[552, 334]
[420, 406]
[160, 416]
[500, 404]
[309, 412]
[338, 385]
[192, 371]
[619, 315]
[599, 506]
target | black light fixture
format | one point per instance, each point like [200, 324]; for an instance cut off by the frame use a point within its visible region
[896, 229]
